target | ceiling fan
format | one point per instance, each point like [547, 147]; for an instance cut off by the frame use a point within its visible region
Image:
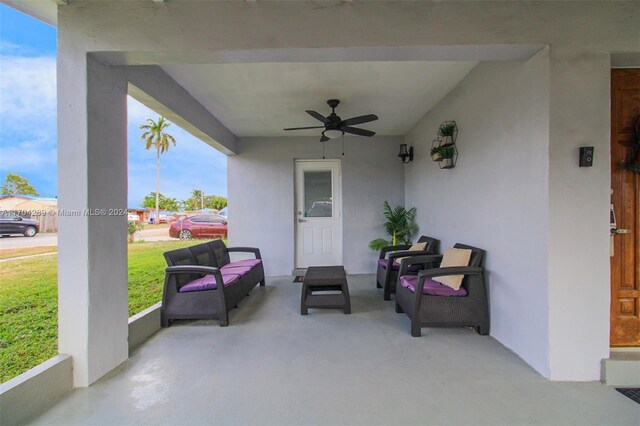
[335, 127]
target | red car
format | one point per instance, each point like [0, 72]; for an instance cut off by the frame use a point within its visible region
[199, 226]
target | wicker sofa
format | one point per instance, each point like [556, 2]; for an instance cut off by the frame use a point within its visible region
[202, 282]
[429, 304]
[386, 276]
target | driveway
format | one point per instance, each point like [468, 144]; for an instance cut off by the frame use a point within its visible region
[18, 241]
[51, 239]
[160, 233]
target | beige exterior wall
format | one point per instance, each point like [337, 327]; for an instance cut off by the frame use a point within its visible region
[11, 202]
[43, 211]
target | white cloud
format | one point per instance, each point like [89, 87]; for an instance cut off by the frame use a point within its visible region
[28, 94]
[28, 130]
[28, 156]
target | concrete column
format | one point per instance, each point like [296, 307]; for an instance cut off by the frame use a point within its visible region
[579, 197]
[92, 187]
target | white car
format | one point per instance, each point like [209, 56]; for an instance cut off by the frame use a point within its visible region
[223, 212]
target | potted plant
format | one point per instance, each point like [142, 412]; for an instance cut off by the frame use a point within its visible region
[435, 153]
[400, 225]
[447, 152]
[446, 131]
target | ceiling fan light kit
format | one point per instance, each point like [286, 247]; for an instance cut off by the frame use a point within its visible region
[334, 126]
[333, 133]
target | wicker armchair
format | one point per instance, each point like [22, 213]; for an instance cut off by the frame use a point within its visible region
[444, 307]
[387, 277]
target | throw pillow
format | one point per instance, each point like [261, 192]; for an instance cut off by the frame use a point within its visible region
[454, 257]
[415, 247]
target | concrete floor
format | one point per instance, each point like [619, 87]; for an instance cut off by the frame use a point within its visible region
[273, 366]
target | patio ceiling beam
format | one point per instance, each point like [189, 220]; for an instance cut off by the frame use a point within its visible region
[153, 87]
[486, 52]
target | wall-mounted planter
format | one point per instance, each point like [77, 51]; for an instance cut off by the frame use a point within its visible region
[448, 133]
[446, 163]
[447, 140]
[449, 155]
[435, 150]
[443, 147]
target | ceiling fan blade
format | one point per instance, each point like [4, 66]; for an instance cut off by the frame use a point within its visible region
[356, 131]
[304, 128]
[359, 120]
[317, 116]
[323, 138]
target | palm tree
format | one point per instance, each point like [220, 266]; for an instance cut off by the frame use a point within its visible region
[156, 137]
[400, 225]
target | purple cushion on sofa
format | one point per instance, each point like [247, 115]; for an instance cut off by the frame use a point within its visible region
[430, 287]
[240, 270]
[383, 264]
[208, 282]
[245, 262]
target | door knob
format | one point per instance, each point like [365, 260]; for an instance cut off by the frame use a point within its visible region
[302, 220]
[620, 231]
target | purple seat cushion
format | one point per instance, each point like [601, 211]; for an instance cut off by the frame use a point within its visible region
[208, 282]
[383, 264]
[430, 287]
[245, 262]
[240, 270]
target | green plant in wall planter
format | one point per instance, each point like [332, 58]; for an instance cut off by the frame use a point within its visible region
[400, 226]
[435, 153]
[447, 153]
[447, 131]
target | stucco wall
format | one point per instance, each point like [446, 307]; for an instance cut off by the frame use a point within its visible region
[261, 195]
[496, 196]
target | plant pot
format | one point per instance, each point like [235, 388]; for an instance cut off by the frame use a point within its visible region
[446, 140]
[436, 157]
[447, 163]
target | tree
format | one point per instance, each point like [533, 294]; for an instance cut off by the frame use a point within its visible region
[156, 137]
[165, 203]
[215, 202]
[198, 200]
[16, 184]
[195, 201]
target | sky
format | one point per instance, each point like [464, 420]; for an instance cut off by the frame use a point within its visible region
[28, 139]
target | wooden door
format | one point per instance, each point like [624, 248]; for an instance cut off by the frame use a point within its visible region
[625, 198]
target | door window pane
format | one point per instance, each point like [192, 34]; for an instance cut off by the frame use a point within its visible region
[317, 194]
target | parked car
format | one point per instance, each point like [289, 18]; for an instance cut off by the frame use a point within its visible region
[223, 213]
[199, 226]
[13, 224]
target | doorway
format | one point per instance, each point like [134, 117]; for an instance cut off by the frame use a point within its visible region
[318, 215]
[625, 201]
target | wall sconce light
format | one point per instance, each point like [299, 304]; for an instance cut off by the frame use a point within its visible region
[406, 155]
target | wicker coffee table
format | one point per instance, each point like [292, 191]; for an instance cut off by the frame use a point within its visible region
[319, 279]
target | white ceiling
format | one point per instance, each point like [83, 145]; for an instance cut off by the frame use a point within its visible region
[260, 99]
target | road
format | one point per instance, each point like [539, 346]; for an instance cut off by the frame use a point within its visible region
[18, 241]
[51, 239]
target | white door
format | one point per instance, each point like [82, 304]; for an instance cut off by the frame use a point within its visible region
[318, 215]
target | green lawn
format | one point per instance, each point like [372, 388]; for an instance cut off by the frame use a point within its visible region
[29, 310]
[11, 253]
